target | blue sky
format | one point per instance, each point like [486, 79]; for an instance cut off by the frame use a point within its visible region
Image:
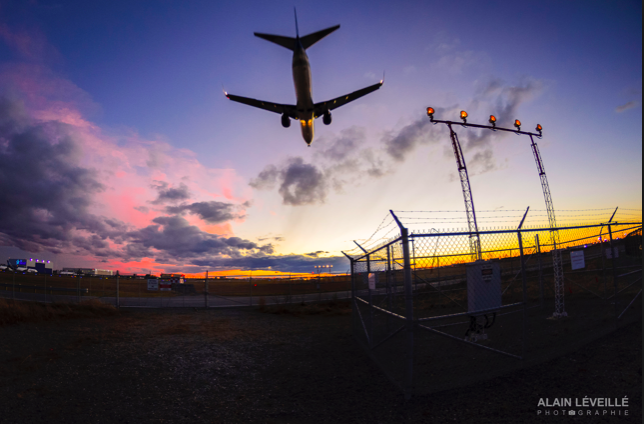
[144, 79]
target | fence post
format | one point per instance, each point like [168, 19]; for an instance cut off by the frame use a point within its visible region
[413, 250]
[118, 303]
[251, 290]
[540, 270]
[601, 244]
[523, 278]
[388, 279]
[206, 292]
[370, 302]
[78, 286]
[354, 305]
[613, 255]
[409, 309]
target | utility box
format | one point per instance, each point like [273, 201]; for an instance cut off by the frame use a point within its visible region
[483, 285]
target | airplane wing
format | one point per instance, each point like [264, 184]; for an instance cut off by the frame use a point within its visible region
[323, 107]
[290, 110]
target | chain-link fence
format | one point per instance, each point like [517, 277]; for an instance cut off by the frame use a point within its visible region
[125, 291]
[433, 317]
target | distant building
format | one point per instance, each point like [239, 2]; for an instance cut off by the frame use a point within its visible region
[43, 266]
[89, 271]
[175, 278]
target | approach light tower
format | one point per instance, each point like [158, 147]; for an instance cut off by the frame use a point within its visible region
[475, 240]
[467, 194]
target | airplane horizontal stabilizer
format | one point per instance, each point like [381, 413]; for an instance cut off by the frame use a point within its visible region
[308, 40]
[288, 42]
[321, 108]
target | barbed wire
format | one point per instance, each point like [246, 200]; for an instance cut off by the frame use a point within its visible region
[523, 210]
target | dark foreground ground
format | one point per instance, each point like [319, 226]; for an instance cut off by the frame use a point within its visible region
[242, 365]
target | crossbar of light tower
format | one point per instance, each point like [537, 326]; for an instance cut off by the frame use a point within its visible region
[556, 252]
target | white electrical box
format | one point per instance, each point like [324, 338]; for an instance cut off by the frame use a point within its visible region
[483, 285]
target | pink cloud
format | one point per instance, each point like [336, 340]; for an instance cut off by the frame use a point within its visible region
[30, 45]
[130, 167]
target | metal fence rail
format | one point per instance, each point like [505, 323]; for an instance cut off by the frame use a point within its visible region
[197, 292]
[432, 318]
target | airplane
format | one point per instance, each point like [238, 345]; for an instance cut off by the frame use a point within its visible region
[305, 110]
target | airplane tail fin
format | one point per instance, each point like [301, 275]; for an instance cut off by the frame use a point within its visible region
[297, 30]
[308, 40]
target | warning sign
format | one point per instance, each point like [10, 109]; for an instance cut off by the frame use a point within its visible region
[486, 273]
[153, 284]
[577, 259]
[372, 281]
[608, 253]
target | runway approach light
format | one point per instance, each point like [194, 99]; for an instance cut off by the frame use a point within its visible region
[493, 121]
[464, 116]
[517, 124]
[539, 129]
[430, 113]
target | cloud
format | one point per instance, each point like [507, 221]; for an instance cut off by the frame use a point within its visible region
[69, 190]
[46, 195]
[170, 194]
[315, 254]
[453, 61]
[299, 183]
[213, 212]
[458, 62]
[30, 45]
[630, 105]
[285, 263]
[339, 159]
[174, 236]
[400, 143]
[302, 183]
[505, 100]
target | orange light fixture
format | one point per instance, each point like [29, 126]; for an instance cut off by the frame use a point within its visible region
[517, 124]
[464, 116]
[430, 113]
[493, 120]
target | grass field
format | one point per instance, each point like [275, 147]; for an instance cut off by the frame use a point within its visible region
[13, 312]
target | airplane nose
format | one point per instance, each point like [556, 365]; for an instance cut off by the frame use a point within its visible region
[307, 131]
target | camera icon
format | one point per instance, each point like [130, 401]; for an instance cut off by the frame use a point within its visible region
[572, 412]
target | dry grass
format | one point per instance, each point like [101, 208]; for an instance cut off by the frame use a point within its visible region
[331, 307]
[13, 312]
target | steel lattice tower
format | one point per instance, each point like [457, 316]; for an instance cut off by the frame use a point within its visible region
[554, 235]
[475, 241]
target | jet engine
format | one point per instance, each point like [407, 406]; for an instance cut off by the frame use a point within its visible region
[286, 121]
[326, 118]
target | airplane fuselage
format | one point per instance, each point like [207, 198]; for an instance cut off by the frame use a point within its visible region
[302, 82]
[305, 111]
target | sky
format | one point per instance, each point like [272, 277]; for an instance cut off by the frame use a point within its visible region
[119, 150]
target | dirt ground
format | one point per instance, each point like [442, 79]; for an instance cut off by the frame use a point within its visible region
[244, 366]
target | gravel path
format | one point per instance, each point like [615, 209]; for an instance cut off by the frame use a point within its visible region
[241, 365]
